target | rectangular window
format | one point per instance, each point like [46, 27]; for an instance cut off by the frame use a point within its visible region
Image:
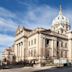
[61, 44]
[34, 41]
[31, 42]
[65, 54]
[65, 45]
[34, 52]
[61, 53]
[46, 42]
[31, 52]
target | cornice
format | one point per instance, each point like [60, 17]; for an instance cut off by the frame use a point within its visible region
[21, 38]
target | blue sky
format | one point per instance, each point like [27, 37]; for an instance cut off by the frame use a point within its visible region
[28, 13]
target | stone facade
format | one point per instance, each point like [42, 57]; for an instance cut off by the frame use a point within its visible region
[8, 56]
[42, 44]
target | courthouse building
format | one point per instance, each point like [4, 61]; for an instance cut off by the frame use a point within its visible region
[43, 44]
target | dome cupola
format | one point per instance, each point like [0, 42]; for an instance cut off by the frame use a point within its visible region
[60, 23]
[60, 19]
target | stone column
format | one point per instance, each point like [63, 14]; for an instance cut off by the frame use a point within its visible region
[40, 49]
[39, 45]
[69, 50]
[54, 48]
[52, 45]
[43, 47]
[69, 54]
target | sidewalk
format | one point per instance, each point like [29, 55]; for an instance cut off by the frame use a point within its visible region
[27, 69]
[31, 69]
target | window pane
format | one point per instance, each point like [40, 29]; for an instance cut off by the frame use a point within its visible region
[34, 41]
[31, 42]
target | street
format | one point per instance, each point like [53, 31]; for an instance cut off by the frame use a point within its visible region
[38, 69]
[66, 69]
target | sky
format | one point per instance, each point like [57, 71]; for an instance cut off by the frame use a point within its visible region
[30, 14]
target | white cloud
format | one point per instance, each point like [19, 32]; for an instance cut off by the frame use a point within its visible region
[6, 40]
[6, 20]
[22, 2]
[6, 13]
[40, 16]
[7, 25]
